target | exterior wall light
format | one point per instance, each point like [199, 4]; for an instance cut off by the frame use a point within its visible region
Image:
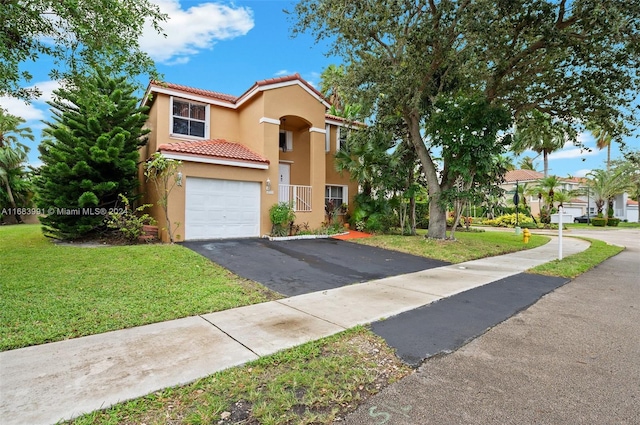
[268, 185]
[179, 178]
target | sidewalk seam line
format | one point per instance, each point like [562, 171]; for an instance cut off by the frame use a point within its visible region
[229, 335]
[309, 314]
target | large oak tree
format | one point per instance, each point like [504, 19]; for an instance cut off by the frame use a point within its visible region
[574, 60]
[76, 34]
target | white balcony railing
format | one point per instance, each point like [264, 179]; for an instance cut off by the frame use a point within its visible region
[299, 195]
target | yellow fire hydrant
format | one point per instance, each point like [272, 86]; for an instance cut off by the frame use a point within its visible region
[526, 234]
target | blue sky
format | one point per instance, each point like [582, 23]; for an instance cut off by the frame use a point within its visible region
[227, 46]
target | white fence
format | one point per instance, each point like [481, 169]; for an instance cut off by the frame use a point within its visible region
[299, 195]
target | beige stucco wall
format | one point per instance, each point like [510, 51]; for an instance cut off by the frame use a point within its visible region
[177, 196]
[250, 130]
[333, 177]
[224, 124]
[310, 164]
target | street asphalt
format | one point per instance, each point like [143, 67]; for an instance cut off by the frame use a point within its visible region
[46, 383]
[445, 325]
[571, 358]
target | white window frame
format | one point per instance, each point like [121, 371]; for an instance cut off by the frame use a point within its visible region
[188, 136]
[289, 139]
[345, 194]
[327, 138]
[339, 135]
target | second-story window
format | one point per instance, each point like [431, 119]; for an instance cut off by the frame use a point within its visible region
[343, 136]
[189, 118]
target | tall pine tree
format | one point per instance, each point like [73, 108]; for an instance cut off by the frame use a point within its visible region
[91, 156]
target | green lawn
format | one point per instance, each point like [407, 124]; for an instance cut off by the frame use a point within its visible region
[468, 246]
[51, 292]
[309, 384]
[621, 225]
[576, 264]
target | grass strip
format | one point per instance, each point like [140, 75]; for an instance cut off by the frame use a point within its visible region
[310, 384]
[467, 246]
[576, 264]
[52, 292]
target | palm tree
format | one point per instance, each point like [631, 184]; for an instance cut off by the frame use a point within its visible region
[330, 85]
[537, 131]
[11, 160]
[506, 162]
[603, 139]
[562, 196]
[526, 163]
[13, 154]
[605, 185]
[546, 189]
[10, 130]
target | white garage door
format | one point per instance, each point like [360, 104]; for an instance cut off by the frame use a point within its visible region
[217, 209]
[574, 211]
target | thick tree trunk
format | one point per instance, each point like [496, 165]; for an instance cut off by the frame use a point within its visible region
[412, 203]
[437, 213]
[12, 202]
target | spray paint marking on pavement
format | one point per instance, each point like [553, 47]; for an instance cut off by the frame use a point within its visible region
[383, 416]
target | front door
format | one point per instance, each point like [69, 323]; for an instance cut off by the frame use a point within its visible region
[284, 191]
[285, 173]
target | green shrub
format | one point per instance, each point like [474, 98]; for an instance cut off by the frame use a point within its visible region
[281, 216]
[531, 225]
[129, 223]
[598, 221]
[509, 220]
[422, 215]
[613, 222]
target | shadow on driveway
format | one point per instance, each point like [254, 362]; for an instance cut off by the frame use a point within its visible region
[301, 266]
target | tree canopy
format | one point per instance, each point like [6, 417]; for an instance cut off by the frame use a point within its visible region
[92, 154]
[76, 34]
[15, 183]
[576, 61]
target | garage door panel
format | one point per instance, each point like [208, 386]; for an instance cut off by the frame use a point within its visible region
[221, 209]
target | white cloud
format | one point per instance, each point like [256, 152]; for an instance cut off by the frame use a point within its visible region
[582, 173]
[572, 153]
[282, 72]
[192, 30]
[313, 78]
[36, 110]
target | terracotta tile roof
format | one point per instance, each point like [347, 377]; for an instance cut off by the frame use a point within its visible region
[236, 99]
[217, 148]
[337, 118]
[631, 202]
[192, 90]
[522, 175]
[286, 78]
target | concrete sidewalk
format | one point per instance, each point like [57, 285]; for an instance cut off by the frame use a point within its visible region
[571, 358]
[47, 383]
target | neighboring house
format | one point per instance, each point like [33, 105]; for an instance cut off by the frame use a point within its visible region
[624, 208]
[241, 155]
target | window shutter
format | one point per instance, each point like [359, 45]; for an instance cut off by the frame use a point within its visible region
[289, 141]
[327, 138]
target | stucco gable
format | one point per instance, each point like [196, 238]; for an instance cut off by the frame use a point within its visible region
[227, 100]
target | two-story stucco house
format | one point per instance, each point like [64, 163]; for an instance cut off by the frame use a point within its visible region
[241, 155]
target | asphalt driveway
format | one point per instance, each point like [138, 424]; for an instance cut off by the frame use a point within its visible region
[301, 266]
